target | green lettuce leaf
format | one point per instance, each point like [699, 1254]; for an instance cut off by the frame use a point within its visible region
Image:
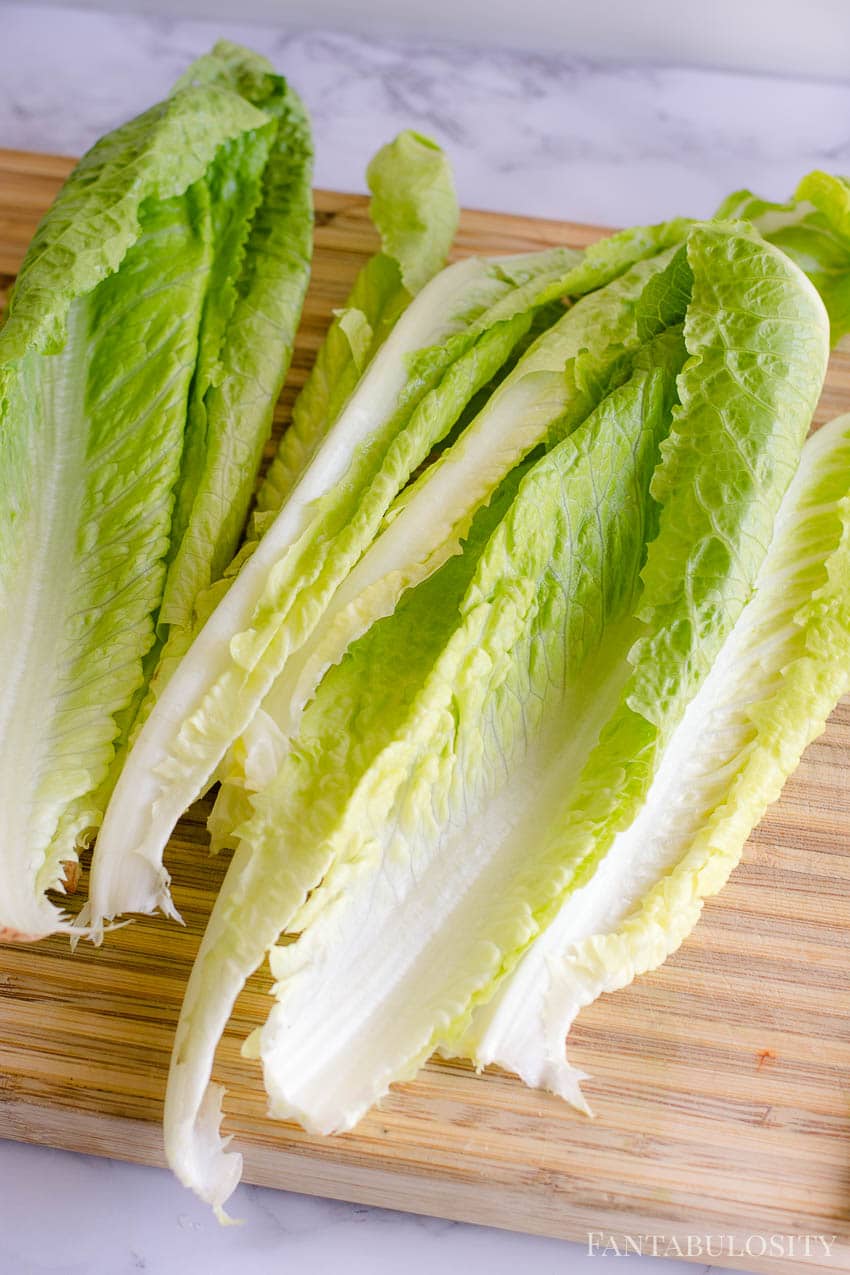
[263, 890]
[814, 230]
[261, 224]
[782, 669]
[414, 208]
[97, 358]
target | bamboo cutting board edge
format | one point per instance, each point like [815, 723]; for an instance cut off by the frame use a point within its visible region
[482, 1203]
[698, 1074]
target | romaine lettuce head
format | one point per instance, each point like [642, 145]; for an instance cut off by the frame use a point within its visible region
[537, 736]
[120, 385]
[470, 763]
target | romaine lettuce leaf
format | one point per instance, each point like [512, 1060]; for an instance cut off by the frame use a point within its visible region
[251, 351]
[414, 209]
[263, 889]
[97, 358]
[782, 669]
[814, 230]
[261, 224]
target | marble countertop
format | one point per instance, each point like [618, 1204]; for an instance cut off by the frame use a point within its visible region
[526, 133]
[537, 134]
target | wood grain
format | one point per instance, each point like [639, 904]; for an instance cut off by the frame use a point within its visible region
[721, 1083]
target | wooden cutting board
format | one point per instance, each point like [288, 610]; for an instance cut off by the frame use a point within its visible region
[720, 1083]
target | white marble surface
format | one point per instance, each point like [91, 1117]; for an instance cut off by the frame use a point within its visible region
[527, 133]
